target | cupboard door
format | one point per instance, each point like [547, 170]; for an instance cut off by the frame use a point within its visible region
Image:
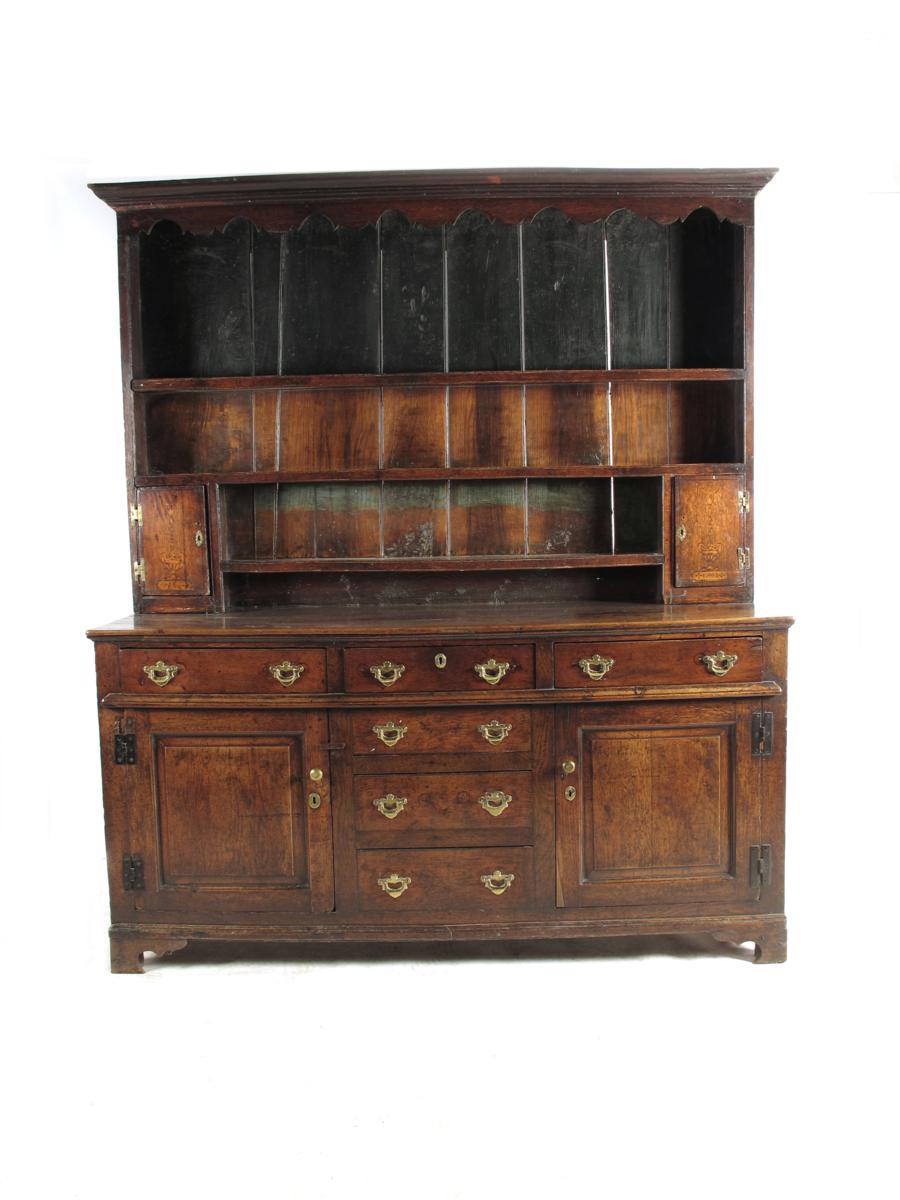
[662, 805]
[225, 816]
[710, 538]
[172, 541]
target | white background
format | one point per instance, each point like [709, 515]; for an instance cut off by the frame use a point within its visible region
[621, 1074]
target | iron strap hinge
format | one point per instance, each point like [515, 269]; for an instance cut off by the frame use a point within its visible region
[760, 866]
[133, 873]
[124, 749]
[761, 734]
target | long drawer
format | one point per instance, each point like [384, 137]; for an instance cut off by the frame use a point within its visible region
[495, 881]
[600, 663]
[263, 671]
[420, 810]
[452, 668]
[441, 730]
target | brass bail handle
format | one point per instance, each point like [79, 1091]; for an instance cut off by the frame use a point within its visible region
[390, 733]
[495, 731]
[161, 672]
[497, 882]
[286, 673]
[387, 673]
[395, 885]
[495, 802]
[719, 663]
[596, 667]
[390, 806]
[491, 671]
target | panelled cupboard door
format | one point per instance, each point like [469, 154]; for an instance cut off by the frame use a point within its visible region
[662, 806]
[710, 548]
[172, 541]
[228, 813]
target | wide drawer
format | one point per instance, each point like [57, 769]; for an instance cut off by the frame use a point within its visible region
[450, 668]
[483, 808]
[277, 671]
[494, 881]
[601, 663]
[440, 730]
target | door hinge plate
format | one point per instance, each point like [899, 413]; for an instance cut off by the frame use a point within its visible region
[743, 502]
[137, 515]
[761, 734]
[125, 749]
[139, 571]
[133, 873]
[743, 557]
[760, 866]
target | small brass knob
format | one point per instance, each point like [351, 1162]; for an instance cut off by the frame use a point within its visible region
[568, 766]
[315, 775]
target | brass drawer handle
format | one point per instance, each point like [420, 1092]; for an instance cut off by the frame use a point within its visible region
[491, 671]
[497, 882]
[596, 667]
[390, 806]
[286, 672]
[390, 733]
[161, 672]
[495, 802]
[494, 732]
[387, 673]
[719, 663]
[395, 885]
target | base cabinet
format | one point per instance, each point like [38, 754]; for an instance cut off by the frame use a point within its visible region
[540, 812]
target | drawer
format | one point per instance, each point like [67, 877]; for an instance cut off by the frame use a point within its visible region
[406, 810]
[495, 881]
[440, 730]
[657, 662]
[448, 668]
[278, 671]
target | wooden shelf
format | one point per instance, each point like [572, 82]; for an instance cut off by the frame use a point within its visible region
[287, 382]
[407, 474]
[276, 566]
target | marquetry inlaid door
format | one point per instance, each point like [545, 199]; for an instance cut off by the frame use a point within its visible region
[226, 812]
[657, 804]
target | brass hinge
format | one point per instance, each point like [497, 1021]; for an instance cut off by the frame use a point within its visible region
[743, 502]
[762, 728]
[139, 571]
[137, 514]
[133, 873]
[760, 866]
[743, 557]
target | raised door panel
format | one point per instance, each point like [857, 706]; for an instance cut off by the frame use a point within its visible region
[220, 814]
[662, 807]
[710, 532]
[172, 541]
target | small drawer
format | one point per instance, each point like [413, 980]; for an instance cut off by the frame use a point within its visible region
[441, 730]
[601, 663]
[277, 671]
[495, 881]
[409, 810]
[448, 668]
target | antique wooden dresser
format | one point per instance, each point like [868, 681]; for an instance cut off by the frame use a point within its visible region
[441, 498]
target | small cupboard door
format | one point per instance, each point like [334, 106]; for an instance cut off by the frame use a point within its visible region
[710, 531]
[661, 807]
[172, 536]
[228, 814]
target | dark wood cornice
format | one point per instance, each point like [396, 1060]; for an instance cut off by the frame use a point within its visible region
[432, 197]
